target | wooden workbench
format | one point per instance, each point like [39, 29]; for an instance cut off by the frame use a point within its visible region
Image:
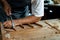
[42, 30]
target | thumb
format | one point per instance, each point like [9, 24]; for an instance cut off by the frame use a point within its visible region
[9, 12]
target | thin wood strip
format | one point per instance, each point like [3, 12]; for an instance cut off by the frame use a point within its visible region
[30, 25]
[14, 29]
[21, 26]
[52, 26]
[39, 24]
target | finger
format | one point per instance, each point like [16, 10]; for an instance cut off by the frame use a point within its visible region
[4, 23]
[9, 11]
[7, 25]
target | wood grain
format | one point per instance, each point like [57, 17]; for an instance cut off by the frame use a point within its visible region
[41, 30]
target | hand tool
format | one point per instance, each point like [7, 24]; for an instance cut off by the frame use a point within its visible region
[10, 18]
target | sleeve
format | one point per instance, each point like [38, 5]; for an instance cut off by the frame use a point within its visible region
[38, 8]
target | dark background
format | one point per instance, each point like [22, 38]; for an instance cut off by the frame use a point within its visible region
[51, 15]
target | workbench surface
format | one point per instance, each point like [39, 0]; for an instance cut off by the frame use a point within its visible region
[42, 30]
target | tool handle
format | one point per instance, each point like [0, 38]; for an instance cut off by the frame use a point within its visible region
[10, 18]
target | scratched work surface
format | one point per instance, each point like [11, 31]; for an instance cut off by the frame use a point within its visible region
[42, 30]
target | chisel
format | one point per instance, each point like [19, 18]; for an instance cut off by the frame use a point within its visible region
[13, 25]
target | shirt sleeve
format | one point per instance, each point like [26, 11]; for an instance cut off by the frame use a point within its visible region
[38, 8]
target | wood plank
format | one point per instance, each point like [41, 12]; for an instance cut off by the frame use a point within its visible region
[31, 34]
[42, 31]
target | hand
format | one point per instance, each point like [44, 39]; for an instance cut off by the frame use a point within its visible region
[7, 9]
[7, 24]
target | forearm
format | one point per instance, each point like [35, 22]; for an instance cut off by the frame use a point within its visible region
[4, 2]
[27, 20]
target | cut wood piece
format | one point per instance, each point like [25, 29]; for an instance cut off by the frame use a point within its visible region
[30, 25]
[53, 24]
[43, 24]
[14, 29]
[21, 26]
[35, 26]
[39, 24]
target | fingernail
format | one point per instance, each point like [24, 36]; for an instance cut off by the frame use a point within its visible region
[10, 13]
